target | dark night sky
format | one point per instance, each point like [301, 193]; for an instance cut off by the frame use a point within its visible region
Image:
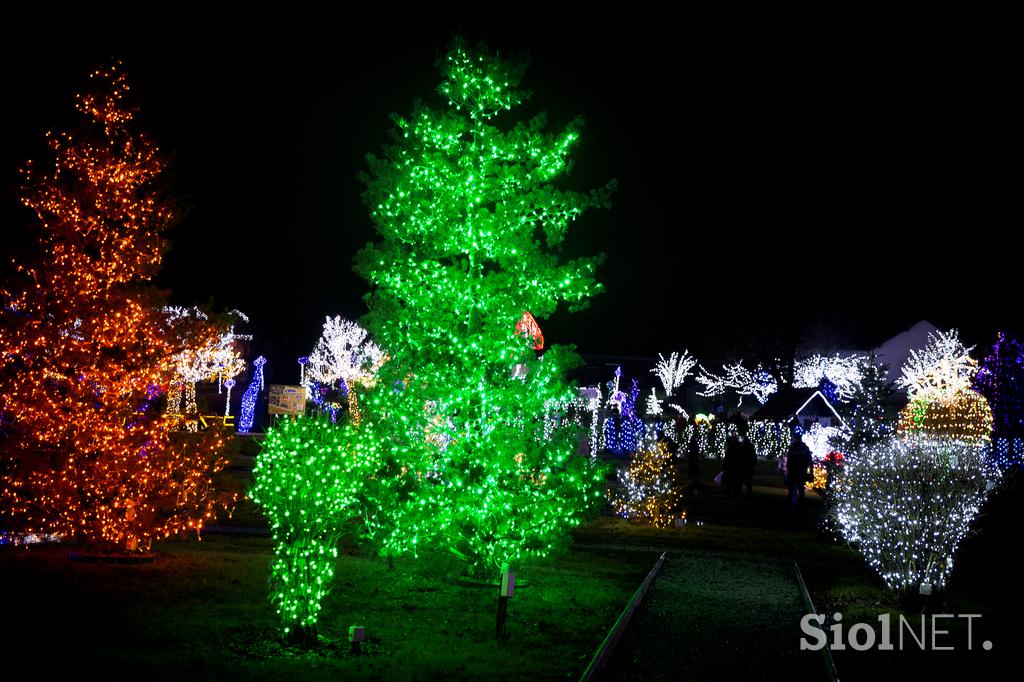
[857, 181]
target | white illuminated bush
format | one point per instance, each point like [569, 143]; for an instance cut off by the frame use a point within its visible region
[907, 502]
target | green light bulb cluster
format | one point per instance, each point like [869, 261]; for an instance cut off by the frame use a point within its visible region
[309, 479]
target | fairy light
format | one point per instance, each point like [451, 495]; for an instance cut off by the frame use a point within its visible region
[216, 359]
[737, 378]
[943, 367]
[1000, 379]
[938, 380]
[771, 439]
[307, 479]
[86, 341]
[623, 432]
[907, 502]
[459, 202]
[844, 372]
[673, 371]
[593, 405]
[653, 404]
[343, 359]
[648, 491]
[873, 414]
[229, 384]
[821, 440]
[251, 396]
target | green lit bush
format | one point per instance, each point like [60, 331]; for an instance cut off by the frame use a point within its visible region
[308, 480]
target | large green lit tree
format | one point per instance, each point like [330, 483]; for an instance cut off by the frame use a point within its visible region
[470, 223]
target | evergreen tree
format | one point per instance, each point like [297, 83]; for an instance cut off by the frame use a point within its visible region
[874, 413]
[88, 348]
[469, 224]
[648, 491]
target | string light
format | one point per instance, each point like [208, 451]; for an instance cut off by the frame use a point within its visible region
[821, 440]
[85, 346]
[906, 503]
[251, 395]
[944, 367]
[648, 491]
[215, 359]
[672, 372]
[229, 384]
[623, 431]
[344, 358]
[653, 404]
[307, 480]
[844, 373]
[873, 413]
[458, 203]
[1000, 379]
[771, 439]
[737, 378]
[938, 380]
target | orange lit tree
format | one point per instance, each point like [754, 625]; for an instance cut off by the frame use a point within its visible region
[87, 347]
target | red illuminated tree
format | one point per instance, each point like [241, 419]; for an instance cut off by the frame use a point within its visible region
[87, 346]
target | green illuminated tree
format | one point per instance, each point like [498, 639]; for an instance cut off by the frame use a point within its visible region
[470, 224]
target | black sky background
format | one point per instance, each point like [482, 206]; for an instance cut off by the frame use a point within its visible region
[853, 182]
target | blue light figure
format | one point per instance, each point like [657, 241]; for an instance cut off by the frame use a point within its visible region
[251, 395]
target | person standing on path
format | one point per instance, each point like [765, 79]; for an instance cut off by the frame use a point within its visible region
[746, 456]
[798, 467]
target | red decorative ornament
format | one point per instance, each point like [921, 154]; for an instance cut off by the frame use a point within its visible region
[527, 326]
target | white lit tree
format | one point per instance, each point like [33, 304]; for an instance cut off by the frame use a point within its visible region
[674, 370]
[740, 380]
[346, 358]
[938, 380]
[843, 372]
[907, 501]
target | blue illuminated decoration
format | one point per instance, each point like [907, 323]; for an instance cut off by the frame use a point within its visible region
[251, 395]
[1001, 380]
[623, 432]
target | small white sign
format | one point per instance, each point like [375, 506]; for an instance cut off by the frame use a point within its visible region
[508, 582]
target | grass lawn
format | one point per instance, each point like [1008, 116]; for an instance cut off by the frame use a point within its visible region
[201, 612]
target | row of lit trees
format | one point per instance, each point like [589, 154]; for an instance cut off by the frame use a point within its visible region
[450, 450]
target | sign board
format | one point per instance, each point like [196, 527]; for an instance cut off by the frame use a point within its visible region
[286, 399]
